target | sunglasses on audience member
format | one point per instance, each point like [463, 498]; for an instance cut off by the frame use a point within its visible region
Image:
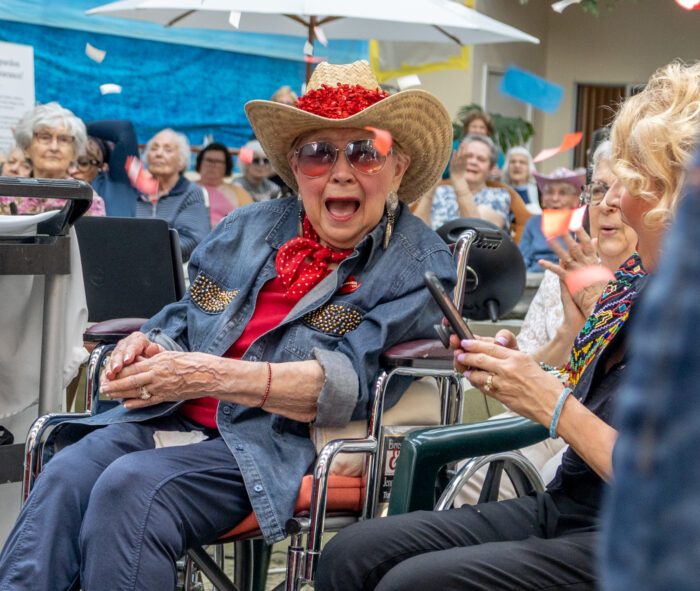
[316, 158]
[594, 193]
[260, 161]
[84, 162]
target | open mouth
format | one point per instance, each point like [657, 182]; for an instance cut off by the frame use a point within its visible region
[341, 209]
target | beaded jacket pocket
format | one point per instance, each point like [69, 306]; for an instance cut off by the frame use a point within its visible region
[210, 297]
[334, 319]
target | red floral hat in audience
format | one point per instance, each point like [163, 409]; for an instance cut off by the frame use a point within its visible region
[349, 96]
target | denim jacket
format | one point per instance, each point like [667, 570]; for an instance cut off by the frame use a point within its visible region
[345, 333]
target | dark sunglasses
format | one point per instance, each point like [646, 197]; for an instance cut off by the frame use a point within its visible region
[316, 158]
[85, 163]
[260, 161]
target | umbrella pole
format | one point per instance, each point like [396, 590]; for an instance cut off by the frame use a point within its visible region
[312, 24]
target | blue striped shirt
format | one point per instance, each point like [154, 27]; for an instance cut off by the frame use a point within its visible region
[184, 209]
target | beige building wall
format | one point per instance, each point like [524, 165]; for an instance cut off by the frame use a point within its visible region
[622, 46]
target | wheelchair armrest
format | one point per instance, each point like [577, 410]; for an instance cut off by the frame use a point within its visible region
[423, 353]
[424, 452]
[110, 331]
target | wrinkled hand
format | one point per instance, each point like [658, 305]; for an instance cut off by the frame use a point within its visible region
[167, 376]
[574, 256]
[517, 381]
[128, 350]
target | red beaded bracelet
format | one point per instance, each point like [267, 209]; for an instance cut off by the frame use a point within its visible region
[269, 383]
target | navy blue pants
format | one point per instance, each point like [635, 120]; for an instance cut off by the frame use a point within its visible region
[518, 545]
[112, 512]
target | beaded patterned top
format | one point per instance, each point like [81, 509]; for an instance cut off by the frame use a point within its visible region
[608, 316]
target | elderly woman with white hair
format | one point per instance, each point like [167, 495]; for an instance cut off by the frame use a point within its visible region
[178, 201]
[50, 137]
[517, 172]
[256, 174]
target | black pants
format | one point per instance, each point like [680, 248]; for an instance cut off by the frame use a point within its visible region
[527, 543]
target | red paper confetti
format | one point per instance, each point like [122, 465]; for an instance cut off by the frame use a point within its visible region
[582, 278]
[341, 101]
[310, 59]
[245, 155]
[570, 140]
[140, 178]
[556, 222]
[382, 140]
[688, 4]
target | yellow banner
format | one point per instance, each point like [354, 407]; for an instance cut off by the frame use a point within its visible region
[453, 62]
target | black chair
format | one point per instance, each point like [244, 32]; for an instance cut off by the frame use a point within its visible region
[132, 267]
[496, 273]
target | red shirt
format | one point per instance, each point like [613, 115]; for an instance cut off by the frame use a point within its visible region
[271, 309]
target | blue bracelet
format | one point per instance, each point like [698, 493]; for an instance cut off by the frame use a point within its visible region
[557, 411]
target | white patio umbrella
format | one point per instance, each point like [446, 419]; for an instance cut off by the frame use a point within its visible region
[427, 21]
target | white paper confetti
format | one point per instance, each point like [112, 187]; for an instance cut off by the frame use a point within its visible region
[562, 4]
[95, 54]
[234, 19]
[321, 36]
[110, 88]
[407, 81]
[308, 48]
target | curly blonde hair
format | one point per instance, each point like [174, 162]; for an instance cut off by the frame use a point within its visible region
[653, 137]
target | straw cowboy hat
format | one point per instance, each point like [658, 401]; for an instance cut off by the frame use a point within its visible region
[577, 178]
[417, 120]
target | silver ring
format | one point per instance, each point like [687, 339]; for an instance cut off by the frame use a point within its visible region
[488, 386]
[145, 394]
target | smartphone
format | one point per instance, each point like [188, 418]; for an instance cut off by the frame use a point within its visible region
[459, 326]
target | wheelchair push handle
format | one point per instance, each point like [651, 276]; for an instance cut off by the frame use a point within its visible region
[78, 196]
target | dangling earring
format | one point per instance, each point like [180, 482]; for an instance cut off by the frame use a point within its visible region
[392, 204]
[300, 206]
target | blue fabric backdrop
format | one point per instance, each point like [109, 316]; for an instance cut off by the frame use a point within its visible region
[196, 90]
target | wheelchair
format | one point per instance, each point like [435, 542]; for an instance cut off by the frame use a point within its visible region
[327, 501]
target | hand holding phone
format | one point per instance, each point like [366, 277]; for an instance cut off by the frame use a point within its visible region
[454, 317]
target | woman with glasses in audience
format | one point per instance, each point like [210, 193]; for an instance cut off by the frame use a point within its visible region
[214, 162]
[467, 196]
[256, 173]
[291, 302]
[547, 540]
[90, 162]
[178, 201]
[51, 138]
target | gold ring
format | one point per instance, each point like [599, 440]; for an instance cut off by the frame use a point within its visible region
[488, 386]
[145, 394]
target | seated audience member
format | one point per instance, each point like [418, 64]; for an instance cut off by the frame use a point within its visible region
[255, 175]
[213, 163]
[285, 95]
[517, 172]
[116, 140]
[560, 190]
[90, 162]
[271, 337]
[481, 123]
[546, 540]
[51, 137]
[554, 331]
[16, 164]
[467, 196]
[179, 201]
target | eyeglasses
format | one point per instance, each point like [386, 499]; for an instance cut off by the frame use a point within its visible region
[594, 193]
[214, 162]
[260, 161]
[45, 139]
[83, 163]
[316, 158]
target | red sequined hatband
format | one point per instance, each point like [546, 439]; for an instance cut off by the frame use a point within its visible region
[341, 101]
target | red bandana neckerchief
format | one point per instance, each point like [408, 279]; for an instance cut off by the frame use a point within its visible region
[299, 276]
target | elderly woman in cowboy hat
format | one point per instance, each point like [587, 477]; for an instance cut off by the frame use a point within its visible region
[546, 540]
[291, 303]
